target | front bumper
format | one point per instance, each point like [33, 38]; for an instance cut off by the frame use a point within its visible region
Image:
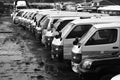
[38, 34]
[57, 52]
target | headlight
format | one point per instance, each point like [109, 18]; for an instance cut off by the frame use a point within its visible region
[87, 64]
[38, 28]
[48, 39]
[59, 49]
[56, 49]
[34, 24]
[76, 58]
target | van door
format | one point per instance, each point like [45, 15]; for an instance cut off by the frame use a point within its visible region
[77, 31]
[103, 42]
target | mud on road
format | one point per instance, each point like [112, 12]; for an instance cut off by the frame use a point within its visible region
[24, 58]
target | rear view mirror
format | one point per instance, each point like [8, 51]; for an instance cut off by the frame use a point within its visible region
[75, 42]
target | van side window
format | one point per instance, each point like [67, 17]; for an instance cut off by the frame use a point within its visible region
[78, 31]
[105, 36]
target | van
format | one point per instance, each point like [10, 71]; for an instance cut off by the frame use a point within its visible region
[27, 14]
[55, 28]
[21, 4]
[34, 26]
[62, 43]
[49, 16]
[36, 16]
[30, 18]
[112, 10]
[17, 16]
[97, 53]
[46, 22]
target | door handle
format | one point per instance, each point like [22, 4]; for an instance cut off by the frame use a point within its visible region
[115, 47]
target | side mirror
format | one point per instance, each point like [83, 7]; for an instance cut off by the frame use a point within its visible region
[75, 42]
[59, 35]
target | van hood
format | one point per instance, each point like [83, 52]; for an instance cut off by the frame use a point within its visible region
[57, 41]
[51, 33]
[38, 28]
[76, 49]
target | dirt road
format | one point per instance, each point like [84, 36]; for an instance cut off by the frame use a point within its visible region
[24, 58]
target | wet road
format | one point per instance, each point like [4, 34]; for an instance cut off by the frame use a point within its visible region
[24, 58]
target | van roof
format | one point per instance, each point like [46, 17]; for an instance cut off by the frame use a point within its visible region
[29, 10]
[75, 14]
[68, 13]
[112, 7]
[107, 25]
[68, 18]
[97, 20]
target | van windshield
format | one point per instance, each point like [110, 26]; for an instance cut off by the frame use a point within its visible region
[79, 30]
[57, 23]
[62, 25]
[66, 28]
[40, 18]
[44, 22]
[52, 23]
[20, 13]
[33, 16]
[89, 32]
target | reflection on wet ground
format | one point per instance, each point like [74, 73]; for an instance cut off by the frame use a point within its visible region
[24, 58]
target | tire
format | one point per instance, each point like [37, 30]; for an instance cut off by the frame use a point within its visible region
[15, 22]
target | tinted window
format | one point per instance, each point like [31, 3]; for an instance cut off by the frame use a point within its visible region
[62, 24]
[19, 13]
[78, 31]
[34, 16]
[41, 19]
[24, 14]
[30, 14]
[103, 37]
[55, 20]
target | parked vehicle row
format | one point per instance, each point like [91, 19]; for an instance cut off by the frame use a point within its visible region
[89, 40]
